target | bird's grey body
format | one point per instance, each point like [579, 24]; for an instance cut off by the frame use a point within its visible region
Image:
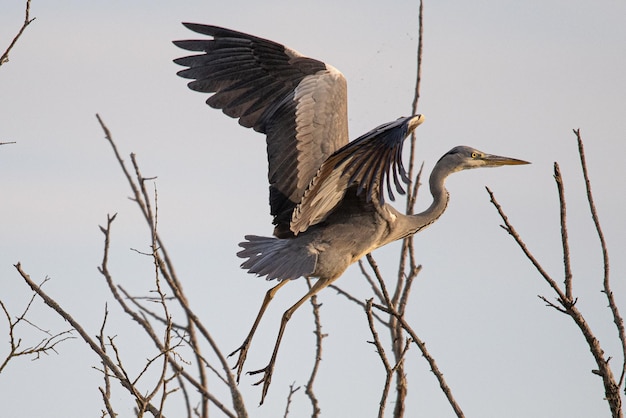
[324, 250]
[327, 195]
[356, 227]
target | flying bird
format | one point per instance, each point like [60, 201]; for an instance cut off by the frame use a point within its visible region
[326, 195]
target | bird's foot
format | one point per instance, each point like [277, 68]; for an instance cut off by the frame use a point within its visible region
[266, 379]
[243, 352]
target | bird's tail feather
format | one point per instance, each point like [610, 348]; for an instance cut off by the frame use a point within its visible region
[276, 258]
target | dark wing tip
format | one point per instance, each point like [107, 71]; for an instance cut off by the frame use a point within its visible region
[201, 28]
[375, 159]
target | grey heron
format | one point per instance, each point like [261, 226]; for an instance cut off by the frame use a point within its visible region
[326, 194]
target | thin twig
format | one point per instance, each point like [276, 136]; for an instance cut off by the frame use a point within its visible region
[416, 96]
[617, 318]
[161, 381]
[404, 298]
[407, 254]
[27, 21]
[381, 282]
[564, 240]
[147, 327]
[119, 374]
[135, 301]
[390, 309]
[351, 298]
[508, 227]
[42, 347]
[383, 357]
[430, 359]
[319, 336]
[371, 281]
[292, 390]
[396, 336]
[166, 267]
[611, 388]
[186, 397]
[106, 391]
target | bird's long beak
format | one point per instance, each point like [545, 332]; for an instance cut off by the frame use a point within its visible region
[497, 160]
[415, 121]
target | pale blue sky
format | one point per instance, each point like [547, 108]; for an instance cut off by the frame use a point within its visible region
[507, 77]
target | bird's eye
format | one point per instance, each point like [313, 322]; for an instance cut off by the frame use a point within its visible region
[474, 155]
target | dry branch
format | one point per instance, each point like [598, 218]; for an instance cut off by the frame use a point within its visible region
[395, 305]
[44, 346]
[292, 391]
[319, 336]
[166, 268]
[149, 331]
[119, 374]
[617, 317]
[4, 58]
[566, 301]
[429, 358]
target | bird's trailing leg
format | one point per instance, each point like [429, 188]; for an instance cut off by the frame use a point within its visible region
[269, 369]
[243, 349]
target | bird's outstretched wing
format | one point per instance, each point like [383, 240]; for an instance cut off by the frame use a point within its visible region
[298, 102]
[368, 162]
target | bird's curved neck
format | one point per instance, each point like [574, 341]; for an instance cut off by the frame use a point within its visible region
[440, 195]
[407, 225]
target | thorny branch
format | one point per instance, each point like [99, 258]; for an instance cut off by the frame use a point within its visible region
[565, 298]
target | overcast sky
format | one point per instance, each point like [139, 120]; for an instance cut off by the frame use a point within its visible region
[507, 77]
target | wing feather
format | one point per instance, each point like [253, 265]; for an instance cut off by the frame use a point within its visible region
[299, 103]
[367, 162]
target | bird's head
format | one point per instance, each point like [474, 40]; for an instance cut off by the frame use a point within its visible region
[464, 158]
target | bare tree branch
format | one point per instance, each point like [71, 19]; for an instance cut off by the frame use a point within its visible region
[395, 305]
[360, 303]
[407, 253]
[149, 330]
[564, 239]
[4, 58]
[430, 359]
[389, 371]
[44, 346]
[165, 265]
[566, 300]
[292, 390]
[319, 336]
[418, 82]
[390, 309]
[617, 318]
[106, 391]
[119, 374]
[509, 228]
